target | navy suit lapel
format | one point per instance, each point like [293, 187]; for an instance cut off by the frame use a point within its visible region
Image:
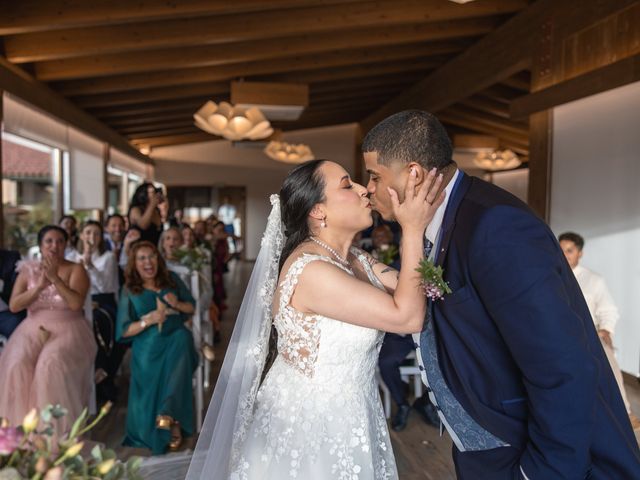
[449, 220]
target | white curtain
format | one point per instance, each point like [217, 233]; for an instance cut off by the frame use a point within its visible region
[24, 120]
[86, 171]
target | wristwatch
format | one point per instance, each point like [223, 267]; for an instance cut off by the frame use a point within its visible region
[143, 323]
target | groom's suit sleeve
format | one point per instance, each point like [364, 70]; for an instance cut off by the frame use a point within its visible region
[516, 269]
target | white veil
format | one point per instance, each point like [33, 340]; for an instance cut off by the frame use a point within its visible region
[231, 407]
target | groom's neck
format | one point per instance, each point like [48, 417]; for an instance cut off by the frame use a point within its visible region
[447, 174]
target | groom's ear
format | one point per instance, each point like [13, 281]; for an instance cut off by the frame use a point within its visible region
[420, 173]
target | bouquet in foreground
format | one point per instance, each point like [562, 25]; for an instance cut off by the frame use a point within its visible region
[31, 450]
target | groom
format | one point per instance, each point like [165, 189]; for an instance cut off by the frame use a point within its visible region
[511, 357]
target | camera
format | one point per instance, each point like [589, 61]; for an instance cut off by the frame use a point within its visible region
[160, 195]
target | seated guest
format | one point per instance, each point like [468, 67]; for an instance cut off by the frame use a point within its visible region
[102, 267]
[170, 242]
[206, 287]
[200, 230]
[70, 225]
[221, 256]
[114, 239]
[132, 236]
[49, 358]
[114, 236]
[188, 237]
[8, 320]
[154, 305]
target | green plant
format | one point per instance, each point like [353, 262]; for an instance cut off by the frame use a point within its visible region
[27, 452]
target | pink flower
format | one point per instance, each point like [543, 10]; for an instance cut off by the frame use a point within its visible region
[10, 439]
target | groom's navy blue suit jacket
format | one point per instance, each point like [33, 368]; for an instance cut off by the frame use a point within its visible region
[517, 345]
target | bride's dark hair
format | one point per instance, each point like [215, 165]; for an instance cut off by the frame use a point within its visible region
[301, 191]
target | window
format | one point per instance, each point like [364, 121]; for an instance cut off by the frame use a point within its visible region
[30, 179]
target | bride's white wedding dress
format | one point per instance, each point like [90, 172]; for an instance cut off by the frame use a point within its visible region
[318, 413]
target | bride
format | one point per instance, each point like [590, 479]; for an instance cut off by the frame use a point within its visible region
[316, 414]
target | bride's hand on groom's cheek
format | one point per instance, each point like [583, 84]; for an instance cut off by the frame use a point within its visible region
[420, 201]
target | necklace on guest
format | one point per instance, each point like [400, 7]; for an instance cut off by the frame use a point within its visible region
[342, 260]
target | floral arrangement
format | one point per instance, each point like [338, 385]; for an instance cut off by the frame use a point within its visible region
[387, 253]
[27, 452]
[193, 258]
[435, 288]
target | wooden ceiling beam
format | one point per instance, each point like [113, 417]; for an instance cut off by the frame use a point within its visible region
[164, 140]
[486, 105]
[517, 128]
[454, 118]
[36, 15]
[164, 131]
[501, 54]
[152, 95]
[356, 71]
[144, 108]
[118, 122]
[500, 93]
[418, 52]
[519, 82]
[151, 126]
[210, 55]
[224, 29]
[362, 83]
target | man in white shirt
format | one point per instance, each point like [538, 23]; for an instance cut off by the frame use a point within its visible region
[603, 311]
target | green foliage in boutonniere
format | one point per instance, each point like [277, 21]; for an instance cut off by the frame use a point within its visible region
[433, 284]
[387, 254]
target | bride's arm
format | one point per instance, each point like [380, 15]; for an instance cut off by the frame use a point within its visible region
[387, 275]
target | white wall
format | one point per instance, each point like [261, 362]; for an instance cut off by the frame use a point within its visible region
[218, 163]
[596, 192]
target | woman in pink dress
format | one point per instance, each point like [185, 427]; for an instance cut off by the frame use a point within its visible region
[49, 358]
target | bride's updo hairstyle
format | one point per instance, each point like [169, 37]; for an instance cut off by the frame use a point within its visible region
[301, 191]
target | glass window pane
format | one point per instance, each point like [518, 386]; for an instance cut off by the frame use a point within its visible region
[28, 190]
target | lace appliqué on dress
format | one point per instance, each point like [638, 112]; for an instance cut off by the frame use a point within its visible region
[298, 334]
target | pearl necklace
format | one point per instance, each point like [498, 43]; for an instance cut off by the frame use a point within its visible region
[342, 260]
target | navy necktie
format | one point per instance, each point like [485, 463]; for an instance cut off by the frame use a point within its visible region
[428, 246]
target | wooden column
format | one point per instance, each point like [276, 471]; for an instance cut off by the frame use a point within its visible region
[540, 125]
[540, 146]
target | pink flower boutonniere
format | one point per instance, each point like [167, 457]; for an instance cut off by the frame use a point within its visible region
[434, 286]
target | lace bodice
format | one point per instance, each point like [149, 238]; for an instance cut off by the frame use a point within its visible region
[319, 406]
[298, 332]
[49, 298]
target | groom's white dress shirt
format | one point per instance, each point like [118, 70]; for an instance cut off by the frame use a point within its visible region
[432, 233]
[601, 307]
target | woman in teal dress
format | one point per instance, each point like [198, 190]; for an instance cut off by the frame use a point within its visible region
[153, 307]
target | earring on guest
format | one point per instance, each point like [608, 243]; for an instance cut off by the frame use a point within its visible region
[323, 224]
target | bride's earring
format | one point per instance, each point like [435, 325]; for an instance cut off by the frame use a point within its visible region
[323, 224]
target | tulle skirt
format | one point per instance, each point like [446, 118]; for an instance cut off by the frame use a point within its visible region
[37, 368]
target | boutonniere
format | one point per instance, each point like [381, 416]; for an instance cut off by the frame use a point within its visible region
[434, 286]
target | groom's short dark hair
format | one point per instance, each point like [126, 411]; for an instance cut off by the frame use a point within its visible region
[410, 136]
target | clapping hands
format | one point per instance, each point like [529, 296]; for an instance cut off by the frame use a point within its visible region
[50, 269]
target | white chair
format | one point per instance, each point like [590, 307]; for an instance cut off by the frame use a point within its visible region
[407, 372]
[197, 339]
[88, 314]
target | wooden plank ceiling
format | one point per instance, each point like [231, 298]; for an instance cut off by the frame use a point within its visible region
[143, 68]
